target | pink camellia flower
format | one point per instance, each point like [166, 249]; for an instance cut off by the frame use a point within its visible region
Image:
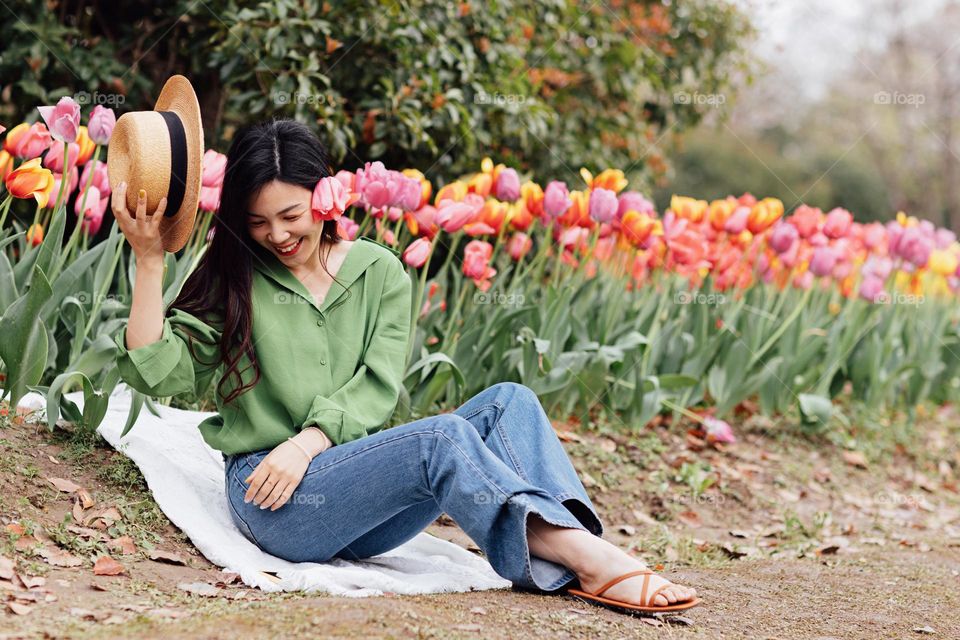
[347, 228]
[54, 158]
[871, 289]
[214, 166]
[823, 261]
[634, 201]
[35, 141]
[100, 125]
[783, 237]
[507, 186]
[737, 222]
[417, 253]
[93, 209]
[837, 223]
[63, 119]
[520, 243]
[718, 430]
[330, 199]
[556, 199]
[603, 205]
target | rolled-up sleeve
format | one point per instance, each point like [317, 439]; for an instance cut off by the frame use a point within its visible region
[367, 401]
[167, 367]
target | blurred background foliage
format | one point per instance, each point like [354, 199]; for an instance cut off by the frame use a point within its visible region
[546, 86]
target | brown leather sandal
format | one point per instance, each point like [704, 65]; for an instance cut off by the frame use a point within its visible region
[648, 607]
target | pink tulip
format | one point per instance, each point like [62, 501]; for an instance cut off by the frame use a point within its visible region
[943, 238]
[823, 261]
[603, 205]
[54, 158]
[100, 125]
[417, 253]
[837, 223]
[803, 280]
[477, 229]
[410, 194]
[210, 198]
[476, 256]
[63, 119]
[35, 141]
[214, 166]
[347, 228]
[451, 216]
[718, 430]
[2, 128]
[871, 289]
[520, 243]
[737, 222]
[101, 179]
[556, 199]
[93, 209]
[806, 220]
[783, 237]
[507, 187]
[877, 267]
[914, 246]
[874, 235]
[330, 199]
[347, 179]
[72, 181]
[634, 200]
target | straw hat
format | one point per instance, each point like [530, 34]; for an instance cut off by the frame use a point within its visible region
[161, 152]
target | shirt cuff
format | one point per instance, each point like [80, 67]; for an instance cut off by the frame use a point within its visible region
[155, 361]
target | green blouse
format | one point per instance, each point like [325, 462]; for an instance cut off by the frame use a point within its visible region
[338, 365]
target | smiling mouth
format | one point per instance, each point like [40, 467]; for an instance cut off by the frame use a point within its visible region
[289, 249]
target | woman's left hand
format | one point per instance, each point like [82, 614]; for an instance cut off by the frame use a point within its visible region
[277, 476]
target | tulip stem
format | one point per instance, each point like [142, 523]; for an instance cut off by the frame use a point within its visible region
[772, 340]
[6, 207]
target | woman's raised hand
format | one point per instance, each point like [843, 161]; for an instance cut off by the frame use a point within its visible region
[142, 230]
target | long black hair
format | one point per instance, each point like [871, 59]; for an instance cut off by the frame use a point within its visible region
[219, 290]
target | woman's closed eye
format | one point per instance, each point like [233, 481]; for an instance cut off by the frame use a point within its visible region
[260, 222]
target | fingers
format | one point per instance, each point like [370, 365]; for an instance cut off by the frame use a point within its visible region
[161, 207]
[141, 204]
[119, 202]
[277, 497]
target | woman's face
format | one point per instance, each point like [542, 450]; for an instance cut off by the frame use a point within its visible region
[280, 218]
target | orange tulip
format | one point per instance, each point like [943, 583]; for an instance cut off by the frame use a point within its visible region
[612, 179]
[493, 213]
[764, 214]
[719, 212]
[35, 234]
[688, 208]
[31, 180]
[532, 195]
[456, 191]
[481, 184]
[87, 146]
[579, 212]
[6, 164]
[637, 227]
[14, 137]
[518, 216]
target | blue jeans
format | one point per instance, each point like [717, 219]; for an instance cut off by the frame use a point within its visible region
[488, 464]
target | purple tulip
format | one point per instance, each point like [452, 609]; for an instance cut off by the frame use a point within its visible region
[915, 246]
[823, 261]
[556, 199]
[783, 237]
[507, 187]
[101, 124]
[603, 205]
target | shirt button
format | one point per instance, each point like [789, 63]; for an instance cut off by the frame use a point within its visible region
[322, 361]
[320, 323]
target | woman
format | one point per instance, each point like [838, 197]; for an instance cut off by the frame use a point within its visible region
[320, 326]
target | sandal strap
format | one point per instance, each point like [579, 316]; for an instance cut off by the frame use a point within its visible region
[653, 596]
[629, 574]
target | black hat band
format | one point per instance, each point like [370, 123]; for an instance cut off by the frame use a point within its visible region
[178, 162]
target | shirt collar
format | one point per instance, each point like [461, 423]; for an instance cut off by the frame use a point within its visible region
[360, 256]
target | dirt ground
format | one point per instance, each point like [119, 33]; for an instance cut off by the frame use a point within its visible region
[784, 535]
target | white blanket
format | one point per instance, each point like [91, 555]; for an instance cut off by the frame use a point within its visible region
[185, 476]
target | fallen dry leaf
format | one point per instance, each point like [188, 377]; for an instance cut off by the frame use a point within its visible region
[19, 609]
[86, 499]
[58, 557]
[107, 566]
[52, 459]
[169, 557]
[67, 486]
[123, 545]
[199, 588]
[855, 459]
[32, 581]
[6, 568]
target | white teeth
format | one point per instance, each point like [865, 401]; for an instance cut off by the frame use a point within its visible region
[290, 247]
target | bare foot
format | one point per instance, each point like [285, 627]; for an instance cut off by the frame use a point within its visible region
[615, 562]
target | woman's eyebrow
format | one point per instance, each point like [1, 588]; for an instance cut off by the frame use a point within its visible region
[278, 213]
